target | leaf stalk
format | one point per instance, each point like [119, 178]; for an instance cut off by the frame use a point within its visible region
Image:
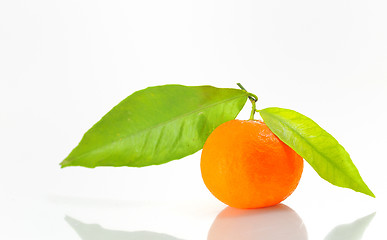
[253, 99]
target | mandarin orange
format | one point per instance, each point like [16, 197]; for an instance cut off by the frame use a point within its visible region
[245, 165]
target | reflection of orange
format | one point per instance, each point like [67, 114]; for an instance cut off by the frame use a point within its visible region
[245, 165]
[272, 223]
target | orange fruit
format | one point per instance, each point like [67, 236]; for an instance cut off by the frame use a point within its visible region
[245, 165]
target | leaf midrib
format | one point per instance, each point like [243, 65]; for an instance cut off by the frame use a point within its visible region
[158, 125]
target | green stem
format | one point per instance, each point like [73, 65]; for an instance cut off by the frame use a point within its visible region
[240, 85]
[252, 110]
[253, 99]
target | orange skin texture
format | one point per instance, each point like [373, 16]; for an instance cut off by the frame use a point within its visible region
[245, 165]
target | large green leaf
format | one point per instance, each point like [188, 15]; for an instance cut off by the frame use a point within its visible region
[156, 125]
[328, 158]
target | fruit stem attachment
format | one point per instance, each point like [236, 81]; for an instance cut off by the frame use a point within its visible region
[253, 99]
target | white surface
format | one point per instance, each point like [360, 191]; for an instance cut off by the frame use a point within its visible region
[64, 64]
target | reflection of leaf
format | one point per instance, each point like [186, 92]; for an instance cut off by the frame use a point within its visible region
[327, 157]
[351, 231]
[96, 232]
[156, 125]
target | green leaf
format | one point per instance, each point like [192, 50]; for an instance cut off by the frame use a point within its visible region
[156, 125]
[328, 158]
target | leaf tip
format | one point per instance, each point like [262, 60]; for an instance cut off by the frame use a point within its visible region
[62, 165]
[367, 191]
[65, 163]
[371, 194]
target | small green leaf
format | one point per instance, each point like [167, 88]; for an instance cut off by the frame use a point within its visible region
[156, 125]
[328, 158]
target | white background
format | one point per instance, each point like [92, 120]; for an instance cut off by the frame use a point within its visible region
[64, 64]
